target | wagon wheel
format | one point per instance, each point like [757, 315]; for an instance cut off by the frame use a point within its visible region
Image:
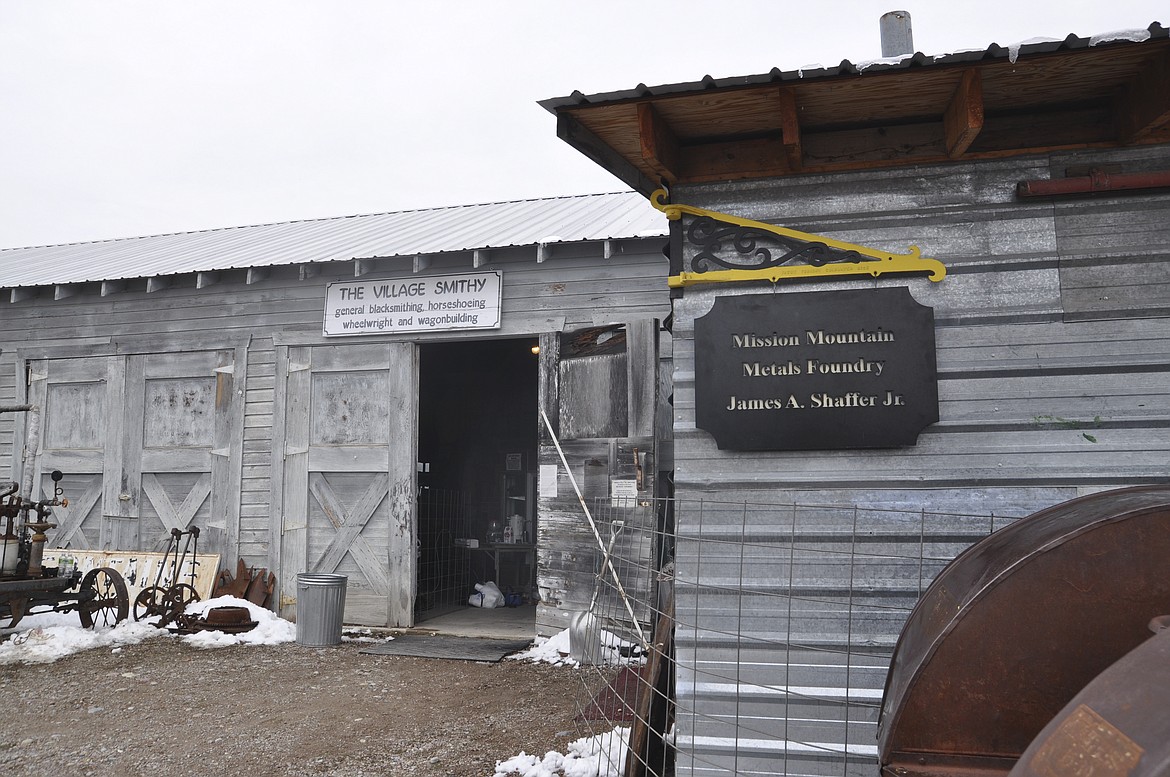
[149, 602]
[109, 605]
[176, 600]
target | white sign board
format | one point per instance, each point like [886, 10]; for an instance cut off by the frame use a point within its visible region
[430, 304]
[623, 493]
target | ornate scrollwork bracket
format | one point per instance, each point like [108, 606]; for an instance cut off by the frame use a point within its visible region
[736, 249]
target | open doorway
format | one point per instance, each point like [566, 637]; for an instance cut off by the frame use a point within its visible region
[477, 443]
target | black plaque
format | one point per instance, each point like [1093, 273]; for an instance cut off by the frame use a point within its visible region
[816, 370]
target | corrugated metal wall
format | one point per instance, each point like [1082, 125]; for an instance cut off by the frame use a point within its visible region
[575, 287]
[1053, 345]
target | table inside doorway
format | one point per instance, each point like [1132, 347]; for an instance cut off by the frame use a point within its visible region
[514, 559]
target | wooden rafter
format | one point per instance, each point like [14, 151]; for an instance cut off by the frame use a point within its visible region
[1145, 104]
[963, 118]
[790, 129]
[660, 148]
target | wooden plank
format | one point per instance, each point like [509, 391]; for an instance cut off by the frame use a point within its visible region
[227, 471]
[641, 376]
[1144, 106]
[547, 393]
[140, 569]
[963, 118]
[276, 452]
[790, 129]
[115, 434]
[401, 557]
[166, 365]
[581, 138]
[660, 148]
[295, 453]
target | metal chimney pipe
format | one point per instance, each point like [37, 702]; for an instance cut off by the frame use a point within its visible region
[897, 37]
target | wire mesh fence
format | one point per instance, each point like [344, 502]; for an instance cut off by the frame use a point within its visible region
[444, 568]
[754, 639]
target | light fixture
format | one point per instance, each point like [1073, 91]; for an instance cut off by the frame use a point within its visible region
[535, 350]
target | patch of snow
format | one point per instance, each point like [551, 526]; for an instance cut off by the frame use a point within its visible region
[555, 650]
[46, 637]
[270, 629]
[1134, 36]
[862, 66]
[549, 650]
[1014, 49]
[601, 756]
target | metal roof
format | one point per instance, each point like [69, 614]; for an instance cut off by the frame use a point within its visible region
[581, 218]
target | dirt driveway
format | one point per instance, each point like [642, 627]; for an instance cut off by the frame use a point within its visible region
[162, 707]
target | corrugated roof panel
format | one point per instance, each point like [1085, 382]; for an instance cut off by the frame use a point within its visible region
[405, 233]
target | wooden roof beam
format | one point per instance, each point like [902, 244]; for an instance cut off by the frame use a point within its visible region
[790, 129]
[963, 118]
[257, 274]
[660, 148]
[206, 278]
[21, 293]
[157, 283]
[480, 257]
[1144, 105]
[113, 287]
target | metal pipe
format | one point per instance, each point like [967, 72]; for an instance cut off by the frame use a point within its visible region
[32, 446]
[897, 36]
[1095, 181]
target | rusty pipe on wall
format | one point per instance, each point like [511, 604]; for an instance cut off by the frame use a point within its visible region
[1097, 181]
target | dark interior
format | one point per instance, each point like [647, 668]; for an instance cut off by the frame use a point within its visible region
[477, 435]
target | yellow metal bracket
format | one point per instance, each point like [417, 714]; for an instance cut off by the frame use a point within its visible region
[855, 260]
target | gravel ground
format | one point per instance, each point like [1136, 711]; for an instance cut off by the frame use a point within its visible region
[162, 707]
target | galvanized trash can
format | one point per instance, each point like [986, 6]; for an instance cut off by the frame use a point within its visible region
[320, 607]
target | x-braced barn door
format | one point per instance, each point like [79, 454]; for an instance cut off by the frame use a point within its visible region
[348, 492]
[147, 442]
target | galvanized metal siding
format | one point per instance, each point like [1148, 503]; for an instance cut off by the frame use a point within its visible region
[1053, 346]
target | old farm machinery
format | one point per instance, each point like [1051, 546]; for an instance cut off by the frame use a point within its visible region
[170, 601]
[1042, 650]
[27, 584]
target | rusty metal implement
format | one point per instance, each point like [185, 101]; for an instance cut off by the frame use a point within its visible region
[1014, 627]
[1117, 726]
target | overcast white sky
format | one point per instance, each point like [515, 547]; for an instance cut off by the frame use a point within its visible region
[122, 118]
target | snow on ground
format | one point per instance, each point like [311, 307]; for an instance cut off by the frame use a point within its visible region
[608, 648]
[43, 638]
[46, 637]
[601, 756]
[548, 650]
[270, 628]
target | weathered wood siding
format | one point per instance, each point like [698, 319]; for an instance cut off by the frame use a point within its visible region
[1053, 346]
[574, 286]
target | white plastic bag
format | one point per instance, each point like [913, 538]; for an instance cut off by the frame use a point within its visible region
[486, 595]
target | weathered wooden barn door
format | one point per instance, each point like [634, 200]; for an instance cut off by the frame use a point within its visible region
[73, 395]
[599, 388]
[182, 425]
[149, 442]
[348, 493]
